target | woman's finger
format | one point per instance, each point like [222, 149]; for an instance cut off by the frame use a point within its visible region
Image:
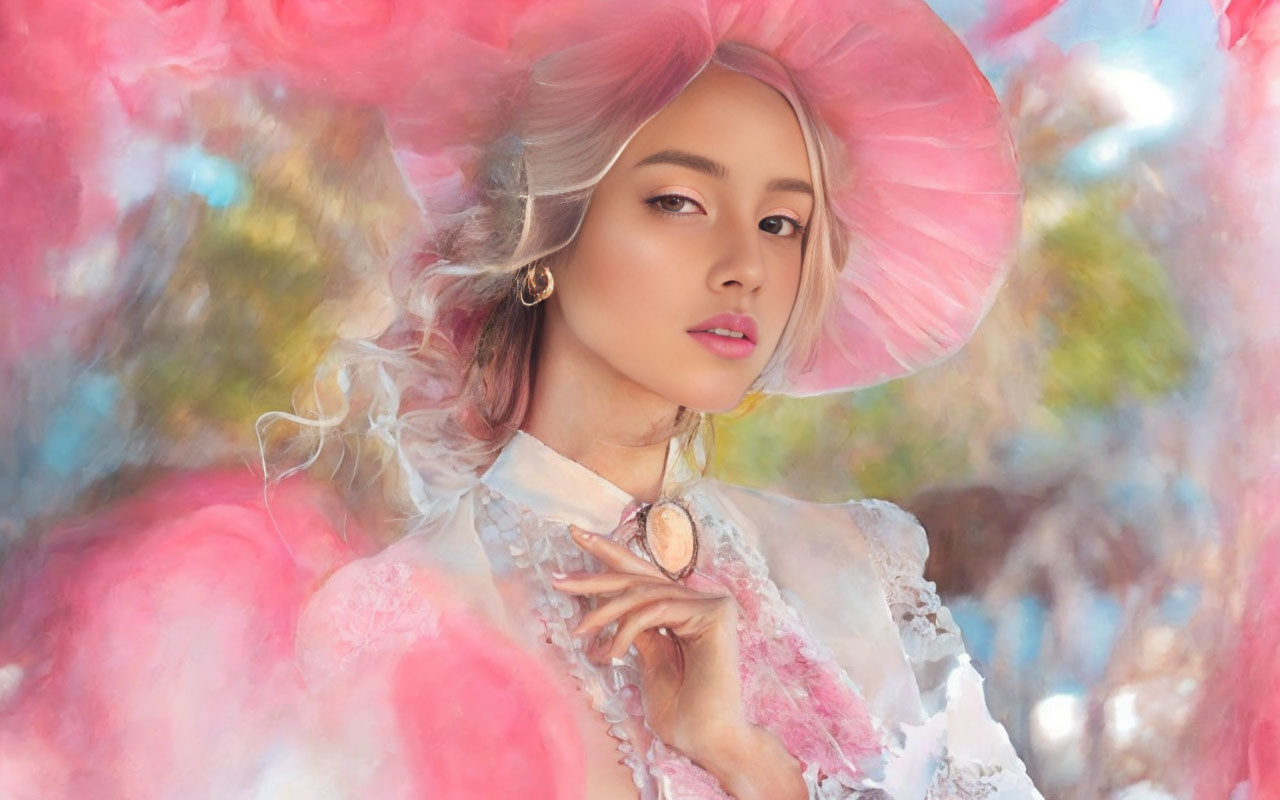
[682, 616]
[597, 583]
[635, 596]
[612, 553]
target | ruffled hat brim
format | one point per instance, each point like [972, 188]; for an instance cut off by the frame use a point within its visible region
[932, 197]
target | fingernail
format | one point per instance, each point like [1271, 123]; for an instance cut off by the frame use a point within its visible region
[579, 532]
[559, 576]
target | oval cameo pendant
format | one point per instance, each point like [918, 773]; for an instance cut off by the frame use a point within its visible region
[669, 538]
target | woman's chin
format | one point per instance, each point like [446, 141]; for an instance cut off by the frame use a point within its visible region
[716, 398]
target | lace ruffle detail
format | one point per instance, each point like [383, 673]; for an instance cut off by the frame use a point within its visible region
[830, 789]
[931, 640]
[791, 685]
[972, 781]
[898, 549]
[518, 541]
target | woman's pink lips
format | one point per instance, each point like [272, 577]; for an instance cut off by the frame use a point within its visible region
[727, 346]
[723, 345]
[738, 323]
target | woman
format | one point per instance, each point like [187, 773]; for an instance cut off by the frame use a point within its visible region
[640, 214]
[687, 207]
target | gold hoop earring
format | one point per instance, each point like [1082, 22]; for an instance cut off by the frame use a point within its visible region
[535, 285]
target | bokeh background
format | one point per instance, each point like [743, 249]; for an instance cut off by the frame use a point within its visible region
[1097, 469]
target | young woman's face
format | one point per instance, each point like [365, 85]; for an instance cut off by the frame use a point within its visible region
[687, 264]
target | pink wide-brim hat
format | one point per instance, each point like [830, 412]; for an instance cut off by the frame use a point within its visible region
[929, 190]
[928, 187]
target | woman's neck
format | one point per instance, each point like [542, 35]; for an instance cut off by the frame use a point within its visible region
[585, 410]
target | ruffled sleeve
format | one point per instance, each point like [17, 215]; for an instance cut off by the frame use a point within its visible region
[854, 574]
[958, 752]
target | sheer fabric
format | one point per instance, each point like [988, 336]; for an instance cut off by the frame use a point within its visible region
[847, 655]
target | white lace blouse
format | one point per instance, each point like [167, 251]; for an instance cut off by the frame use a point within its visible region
[848, 657]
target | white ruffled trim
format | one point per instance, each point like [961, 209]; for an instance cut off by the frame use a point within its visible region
[959, 752]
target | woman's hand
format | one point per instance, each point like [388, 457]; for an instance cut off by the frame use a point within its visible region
[692, 691]
[688, 643]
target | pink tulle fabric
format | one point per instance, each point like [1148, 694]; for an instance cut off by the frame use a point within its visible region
[188, 643]
[929, 188]
[791, 686]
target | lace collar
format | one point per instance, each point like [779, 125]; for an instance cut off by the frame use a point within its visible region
[531, 474]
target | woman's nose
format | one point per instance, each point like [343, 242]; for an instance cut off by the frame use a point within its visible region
[739, 261]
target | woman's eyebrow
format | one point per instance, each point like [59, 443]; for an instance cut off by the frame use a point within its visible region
[790, 185]
[682, 158]
[693, 161]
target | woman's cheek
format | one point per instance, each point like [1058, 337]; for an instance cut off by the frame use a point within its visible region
[642, 279]
[784, 301]
[607, 298]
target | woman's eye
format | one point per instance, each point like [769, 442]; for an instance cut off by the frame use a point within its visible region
[780, 226]
[674, 204]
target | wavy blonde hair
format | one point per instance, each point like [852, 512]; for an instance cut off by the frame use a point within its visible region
[437, 396]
